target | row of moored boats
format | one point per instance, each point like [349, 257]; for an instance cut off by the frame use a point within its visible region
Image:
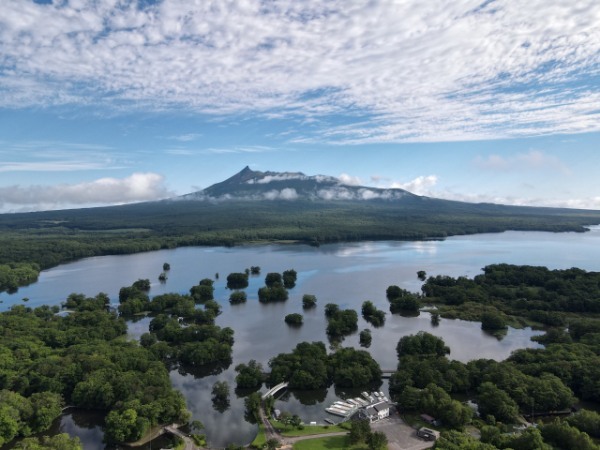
[348, 407]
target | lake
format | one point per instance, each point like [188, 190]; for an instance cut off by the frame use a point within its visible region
[347, 274]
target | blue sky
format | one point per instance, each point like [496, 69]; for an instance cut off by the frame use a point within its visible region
[107, 102]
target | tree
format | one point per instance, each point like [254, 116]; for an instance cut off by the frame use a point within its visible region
[309, 301]
[359, 431]
[220, 396]
[273, 278]
[422, 343]
[166, 267]
[294, 319]
[372, 315]
[255, 270]
[331, 309]
[59, 442]
[365, 338]
[249, 376]
[237, 297]
[496, 402]
[237, 280]
[435, 319]
[376, 440]
[289, 278]
[492, 320]
[272, 444]
[422, 275]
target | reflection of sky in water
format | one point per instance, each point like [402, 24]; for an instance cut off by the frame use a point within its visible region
[347, 274]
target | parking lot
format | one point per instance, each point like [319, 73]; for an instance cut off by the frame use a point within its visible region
[400, 435]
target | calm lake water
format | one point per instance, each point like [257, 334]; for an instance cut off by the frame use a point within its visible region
[347, 274]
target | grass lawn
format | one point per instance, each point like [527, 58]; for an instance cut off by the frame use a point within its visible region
[307, 430]
[260, 438]
[328, 443]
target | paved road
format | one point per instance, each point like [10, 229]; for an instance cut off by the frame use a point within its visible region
[189, 443]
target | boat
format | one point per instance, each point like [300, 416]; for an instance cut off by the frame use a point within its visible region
[329, 421]
[361, 401]
[365, 395]
[336, 412]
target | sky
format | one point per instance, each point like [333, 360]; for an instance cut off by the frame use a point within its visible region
[115, 101]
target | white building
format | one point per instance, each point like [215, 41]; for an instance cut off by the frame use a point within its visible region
[376, 412]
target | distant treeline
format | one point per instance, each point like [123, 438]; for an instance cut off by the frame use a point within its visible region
[54, 237]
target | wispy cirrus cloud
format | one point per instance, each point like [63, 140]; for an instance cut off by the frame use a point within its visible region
[534, 159]
[394, 71]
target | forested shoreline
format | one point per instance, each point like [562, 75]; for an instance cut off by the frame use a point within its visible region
[49, 238]
[83, 359]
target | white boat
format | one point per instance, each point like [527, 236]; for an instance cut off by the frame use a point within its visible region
[361, 401]
[365, 395]
[335, 412]
[354, 402]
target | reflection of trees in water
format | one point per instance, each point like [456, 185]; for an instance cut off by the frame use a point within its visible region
[347, 392]
[204, 371]
[242, 393]
[86, 419]
[307, 398]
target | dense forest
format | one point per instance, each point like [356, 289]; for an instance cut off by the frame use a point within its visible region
[53, 237]
[49, 360]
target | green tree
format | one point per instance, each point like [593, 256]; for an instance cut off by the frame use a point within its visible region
[237, 280]
[293, 319]
[376, 440]
[495, 401]
[237, 297]
[423, 344]
[59, 442]
[309, 301]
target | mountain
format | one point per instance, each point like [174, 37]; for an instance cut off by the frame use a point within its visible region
[254, 185]
[263, 207]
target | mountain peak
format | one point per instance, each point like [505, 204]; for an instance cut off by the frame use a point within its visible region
[254, 185]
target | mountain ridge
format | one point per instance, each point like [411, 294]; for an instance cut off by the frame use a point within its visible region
[255, 185]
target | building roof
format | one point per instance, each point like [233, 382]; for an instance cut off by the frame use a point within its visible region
[381, 406]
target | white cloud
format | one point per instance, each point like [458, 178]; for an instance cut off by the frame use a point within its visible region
[421, 185]
[534, 159]
[134, 188]
[279, 177]
[417, 71]
[284, 194]
[349, 180]
[186, 137]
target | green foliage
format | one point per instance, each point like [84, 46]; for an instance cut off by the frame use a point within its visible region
[255, 270]
[492, 320]
[203, 291]
[273, 279]
[402, 300]
[309, 301]
[82, 359]
[373, 315]
[331, 309]
[365, 338]
[586, 421]
[422, 344]
[341, 323]
[289, 278]
[14, 275]
[59, 442]
[353, 368]
[249, 376]
[220, 396]
[252, 405]
[563, 436]
[304, 368]
[359, 430]
[237, 297]
[294, 319]
[275, 293]
[455, 440]
[494, 401]
[422, 275]
[166, 267]
[237, 280]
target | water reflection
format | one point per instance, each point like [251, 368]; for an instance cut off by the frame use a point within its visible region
[346, 274]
